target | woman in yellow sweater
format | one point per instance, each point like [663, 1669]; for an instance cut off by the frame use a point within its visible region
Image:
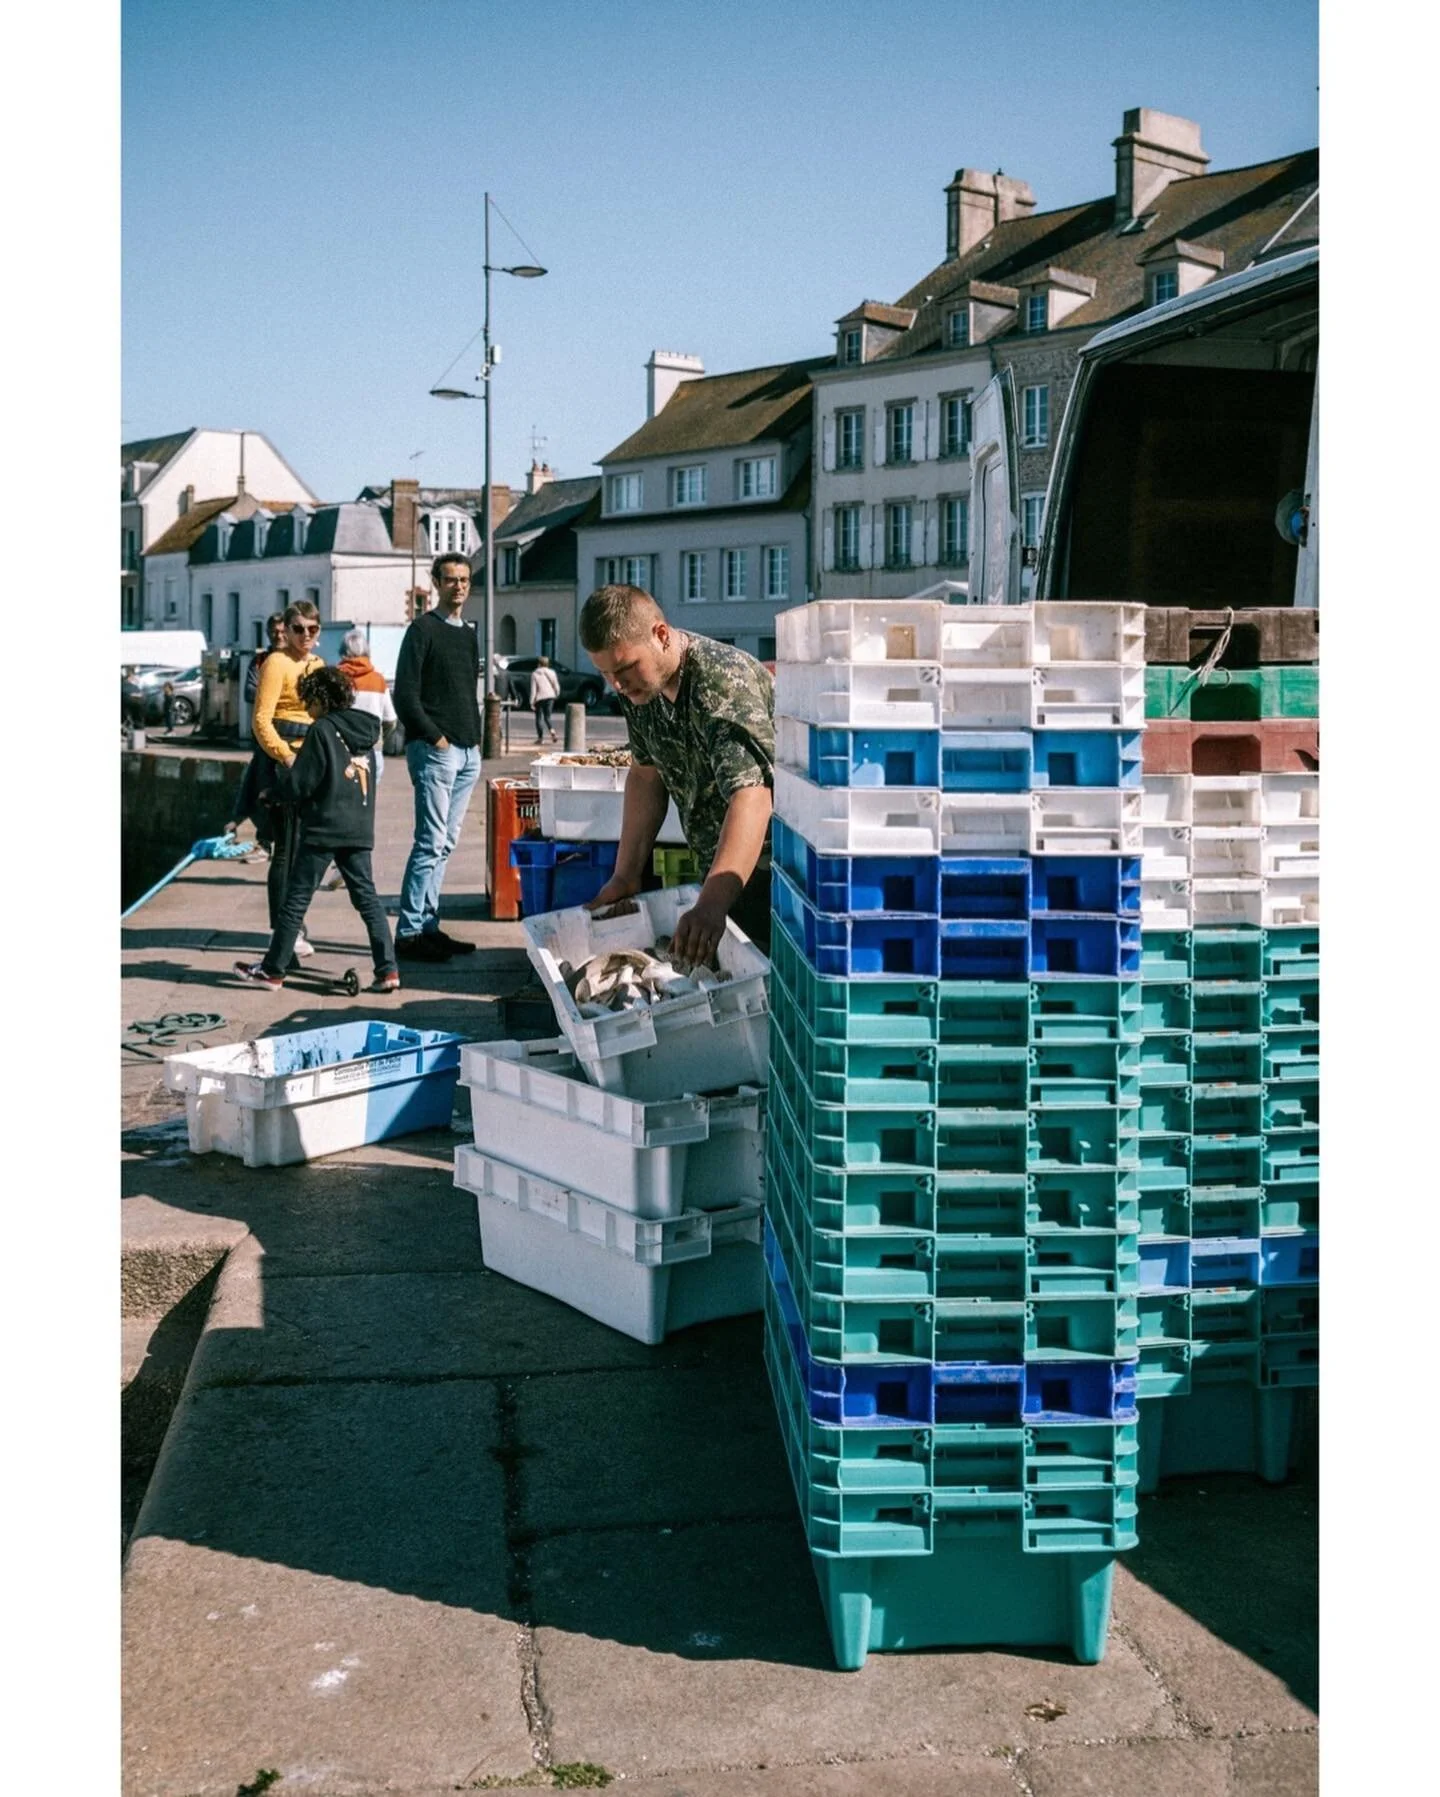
[278, 722]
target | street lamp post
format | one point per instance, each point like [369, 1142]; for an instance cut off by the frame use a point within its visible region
[527, 271]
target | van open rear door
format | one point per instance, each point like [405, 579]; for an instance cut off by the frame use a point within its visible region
[994, 484]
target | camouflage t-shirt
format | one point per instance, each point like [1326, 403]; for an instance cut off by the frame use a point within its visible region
[718, 736]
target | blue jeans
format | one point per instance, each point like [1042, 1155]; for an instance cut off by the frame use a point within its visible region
[443, 780]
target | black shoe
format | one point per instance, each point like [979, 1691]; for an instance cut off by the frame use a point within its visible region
[454, 945]
[425, 947]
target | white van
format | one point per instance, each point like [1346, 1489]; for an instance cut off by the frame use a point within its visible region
[161, 648]
[1186, 470]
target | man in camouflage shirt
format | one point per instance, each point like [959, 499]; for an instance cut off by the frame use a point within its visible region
[701, 717]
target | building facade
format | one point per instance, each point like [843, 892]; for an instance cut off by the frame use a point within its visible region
[537, 592]
[707, 505]
[1023, 290]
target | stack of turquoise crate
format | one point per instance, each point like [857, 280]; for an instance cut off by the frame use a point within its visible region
[1229, 1106]
[954, 1152]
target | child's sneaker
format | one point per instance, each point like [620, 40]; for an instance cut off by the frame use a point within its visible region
[385, 982]
[304, 947]
[253, 973]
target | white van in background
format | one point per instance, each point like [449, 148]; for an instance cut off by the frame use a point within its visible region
[161, 649]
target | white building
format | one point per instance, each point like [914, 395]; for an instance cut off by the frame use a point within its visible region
[706, 506]
[162, 478]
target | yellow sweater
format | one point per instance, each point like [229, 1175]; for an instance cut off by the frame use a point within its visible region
[277, 701]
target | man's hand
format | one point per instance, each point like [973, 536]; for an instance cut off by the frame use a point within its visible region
[698, 930]
[441, 742]
[617, 887]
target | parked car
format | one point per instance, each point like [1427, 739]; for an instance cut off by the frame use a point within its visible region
[142, 694]
[576, 688]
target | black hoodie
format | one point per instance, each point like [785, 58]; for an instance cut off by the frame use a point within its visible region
[333, 781]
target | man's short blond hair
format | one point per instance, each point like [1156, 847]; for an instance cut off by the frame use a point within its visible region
[618, 614]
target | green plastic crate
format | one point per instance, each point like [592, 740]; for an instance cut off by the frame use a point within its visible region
[676, 867]
[1232, 694]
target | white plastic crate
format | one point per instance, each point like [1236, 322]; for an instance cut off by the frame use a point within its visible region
[645, 1279]
[1165, 799]
[860, 630]
[1164, 853]
[1164, 904]
[859, 820]
[1217, 902]
[1225, 854]
[1289, 798]
[987, 698]
[1087, 820]
[531, 1104]
[585, 802]
[1230, 801]
[1291, 851]
[986, 823]
[1089, 631]
[891, 695]
[1289, 902]
[987, 636]
[699, 1042]
[1089, 696]
[276, 1100]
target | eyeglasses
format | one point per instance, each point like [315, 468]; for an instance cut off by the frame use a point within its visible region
[305, 629]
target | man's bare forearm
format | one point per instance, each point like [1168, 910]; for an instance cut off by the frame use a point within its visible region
[742, 837]
[646, 801]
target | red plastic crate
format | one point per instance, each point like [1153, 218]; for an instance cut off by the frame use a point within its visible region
[512, 809]
[1252, 746]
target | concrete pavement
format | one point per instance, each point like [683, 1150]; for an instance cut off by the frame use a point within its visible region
[415, 1529]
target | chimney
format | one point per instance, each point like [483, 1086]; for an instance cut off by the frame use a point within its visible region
[663, 374]
[540, 475]
[1153, 149]
[976, 201]
[404, 509]
[187, 499]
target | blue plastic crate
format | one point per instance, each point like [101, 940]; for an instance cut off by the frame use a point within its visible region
[1104, 948]
[983, 950]
[557, 875]
[1164, 1266]
[987, 760]
[1290, 1259]
[840, 947]
[986, 888]
[1087, 758]
[873, 757]
[1221, 1263]
[1105, 885]
[851, 885]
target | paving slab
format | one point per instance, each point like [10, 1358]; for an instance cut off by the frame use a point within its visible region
[233, 1663]
[695, 1444]
[930, 1775]
[665, 1651]
[1129, 1769]
[1282, 1765]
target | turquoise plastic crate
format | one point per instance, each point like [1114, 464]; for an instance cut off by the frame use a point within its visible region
[1231, 954]
[1290, 953]
[1165, 955]
[1232, 693]
[1225, 1428]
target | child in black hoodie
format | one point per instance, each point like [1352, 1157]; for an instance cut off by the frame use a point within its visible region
[332, 781]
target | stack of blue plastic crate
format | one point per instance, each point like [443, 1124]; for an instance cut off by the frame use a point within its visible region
[1229, 1103]
[953, 1164]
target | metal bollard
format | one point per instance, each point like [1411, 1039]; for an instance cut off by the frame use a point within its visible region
[493, 712]
[575, 729]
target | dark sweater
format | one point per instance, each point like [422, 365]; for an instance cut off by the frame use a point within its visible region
[436, 680]
[332, 781]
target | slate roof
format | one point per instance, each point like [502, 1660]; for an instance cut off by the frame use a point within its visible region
[1238, 211]
[187, 530]
[557, 503]
[154, 449]
[722, 411]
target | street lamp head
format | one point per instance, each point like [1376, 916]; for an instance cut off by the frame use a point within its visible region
[527, 271]
[451, 393]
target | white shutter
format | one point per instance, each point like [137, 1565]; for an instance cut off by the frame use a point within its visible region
[932, 431]
[877, 459]
[827, 539]
[932, 532]
[827, 443]
[867, 533]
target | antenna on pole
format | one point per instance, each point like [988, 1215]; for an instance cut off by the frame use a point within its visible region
[537, 441]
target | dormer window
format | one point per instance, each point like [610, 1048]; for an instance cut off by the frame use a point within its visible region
[957, 328]
[623, 493]
[1035, 312]
[687, 485]
[1164, 285]
[850, 346]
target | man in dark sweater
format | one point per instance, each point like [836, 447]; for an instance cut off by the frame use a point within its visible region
[437, 683]
[331, 782]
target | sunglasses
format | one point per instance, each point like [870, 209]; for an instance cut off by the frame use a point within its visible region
[305, 629]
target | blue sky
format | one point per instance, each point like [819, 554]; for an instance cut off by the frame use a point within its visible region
[302, 191]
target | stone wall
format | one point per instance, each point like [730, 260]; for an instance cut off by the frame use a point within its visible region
[167, 802]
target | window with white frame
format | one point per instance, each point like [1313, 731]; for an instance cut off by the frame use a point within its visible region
[957, 328]
[1032, 519]
[692, 574]
[687, 485]
[127, 550]
[1035, 418]
[955, 529]
[623, 492]
[900, 432]
[1035, 311]
[850, 345]
[898, 521]
[1164, 285]
[850, 437]
[954, 424]
[755, 477]
[777, 572]
[732, 573]
[510, 567]
[627, 571]
[847, 537]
